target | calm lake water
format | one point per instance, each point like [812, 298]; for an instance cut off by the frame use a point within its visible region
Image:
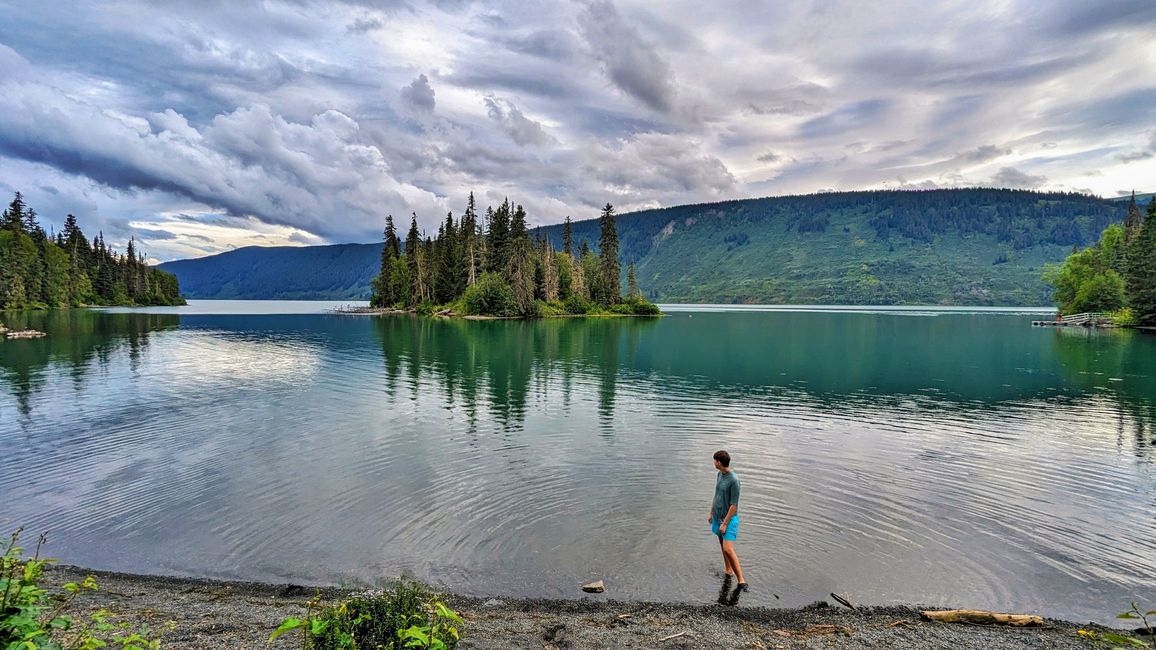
[918, 455]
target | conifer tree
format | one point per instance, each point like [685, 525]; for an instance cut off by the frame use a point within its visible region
[385, 293]
[412, 248]
[1132, 222]
[13, 217]
[632, 290]
[549, 272]
[449, 266]
[1141, 278]
[611, 284]
[471, 250]
[520, 266]
[578, 284]
[498, 238]
[568, 237]
[565, 265]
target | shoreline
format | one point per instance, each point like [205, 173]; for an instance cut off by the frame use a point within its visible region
[209, 613]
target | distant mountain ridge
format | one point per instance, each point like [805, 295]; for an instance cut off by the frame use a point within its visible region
[951, 247]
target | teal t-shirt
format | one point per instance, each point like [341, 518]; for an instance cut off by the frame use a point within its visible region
[726, 494]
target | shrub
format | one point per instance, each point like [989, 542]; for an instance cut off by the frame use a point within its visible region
[489, 296]
[1124, 318]
[645, 308]
[407, 615]
[577, 304]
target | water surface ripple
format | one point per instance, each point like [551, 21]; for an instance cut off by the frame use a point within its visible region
[938, 457]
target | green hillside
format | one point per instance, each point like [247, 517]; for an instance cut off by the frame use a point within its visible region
[951, 247]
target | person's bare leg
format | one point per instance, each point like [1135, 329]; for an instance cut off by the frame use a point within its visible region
[732, 560]
[730, 571]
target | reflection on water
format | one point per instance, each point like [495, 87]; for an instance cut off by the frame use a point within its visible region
[963, 459]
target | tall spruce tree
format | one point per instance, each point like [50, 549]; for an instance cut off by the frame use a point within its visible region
[550, 289]
[1141, 279]
[13, 217]
[611, 284]
[498, 239]
[1132, 222]
[520, 265]
[568, 237]
[412, 256]
[385, 294]
[449, 266]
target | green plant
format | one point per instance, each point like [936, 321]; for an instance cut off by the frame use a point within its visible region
[577, 304]
[489, 296]
[34, 618]
[1120, 641]
[377, 619]
[437, 631]
[1124, 318]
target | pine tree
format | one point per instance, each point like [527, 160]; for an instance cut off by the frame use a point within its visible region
[1141, 279]
[611, 285]
[498, 239]
[13, 217]
[632, 290]
[449, 266]
[1132, 222]
[385, 294]
[549, 272]
[568, 237]
[471, 249]
[520, 266]
[412, 248]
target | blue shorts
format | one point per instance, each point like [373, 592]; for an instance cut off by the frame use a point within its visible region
[732, 531]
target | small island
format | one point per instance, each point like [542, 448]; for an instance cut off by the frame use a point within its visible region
[493, 268]
[42, 271]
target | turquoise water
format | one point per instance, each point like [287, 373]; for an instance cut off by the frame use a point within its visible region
[916, 455]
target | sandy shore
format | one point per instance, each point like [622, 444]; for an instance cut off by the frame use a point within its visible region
[213, 614]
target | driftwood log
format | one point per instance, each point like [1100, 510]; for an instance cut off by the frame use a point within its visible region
[982, 617]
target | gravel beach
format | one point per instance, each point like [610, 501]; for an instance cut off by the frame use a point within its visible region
[213, 614]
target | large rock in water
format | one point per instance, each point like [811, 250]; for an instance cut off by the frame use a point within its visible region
[595, 587]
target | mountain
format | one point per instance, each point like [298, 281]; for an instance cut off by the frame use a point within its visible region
[336, 272]
[951, 247]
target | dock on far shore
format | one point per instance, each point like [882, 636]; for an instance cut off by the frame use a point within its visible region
[1086, 319]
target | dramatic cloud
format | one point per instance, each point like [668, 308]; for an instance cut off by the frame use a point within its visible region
[523, 130]
[198, 127]
[419, 94]
[634, 65]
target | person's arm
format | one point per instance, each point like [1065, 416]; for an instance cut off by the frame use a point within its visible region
[727, 519]
[734, 499]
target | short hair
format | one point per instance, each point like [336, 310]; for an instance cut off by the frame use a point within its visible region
[723, 457]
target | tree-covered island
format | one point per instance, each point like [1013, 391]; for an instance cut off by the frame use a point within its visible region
[494, 267]
[1116, 275]
[40, 271]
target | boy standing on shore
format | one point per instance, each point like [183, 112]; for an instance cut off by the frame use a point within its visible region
[724, 520]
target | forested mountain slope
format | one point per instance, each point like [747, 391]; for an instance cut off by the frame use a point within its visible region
[957, 247]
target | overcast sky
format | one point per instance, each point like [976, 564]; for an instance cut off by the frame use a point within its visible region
[201, 126]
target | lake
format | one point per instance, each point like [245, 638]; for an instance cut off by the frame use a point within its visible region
[918, 455]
